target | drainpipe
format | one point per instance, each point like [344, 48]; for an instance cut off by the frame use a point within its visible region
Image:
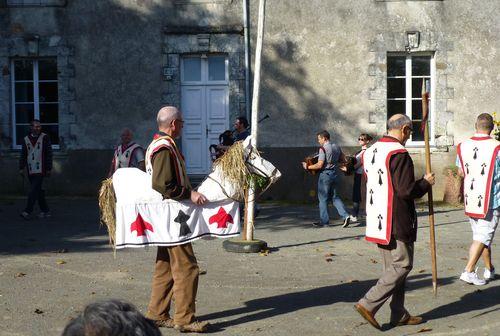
[247, 57]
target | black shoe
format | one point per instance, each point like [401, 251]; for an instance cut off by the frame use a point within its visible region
[347, 221]
[320, 225]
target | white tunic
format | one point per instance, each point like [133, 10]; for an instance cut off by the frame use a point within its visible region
[35, 154]
[123, 157]
[379, 190]
[477, 156]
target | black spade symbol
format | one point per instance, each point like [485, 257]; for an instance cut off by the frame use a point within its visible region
[482, 170]
[467, 168]
[380, 222]
[475, 152]
[479, 203]
[380, 172]
[371, 197]
[466, 196]
[373, 158]
[472, 185]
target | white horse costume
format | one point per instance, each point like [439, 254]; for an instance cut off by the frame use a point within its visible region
[144, 218]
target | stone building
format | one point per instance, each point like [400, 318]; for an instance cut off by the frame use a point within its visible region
[89, 68]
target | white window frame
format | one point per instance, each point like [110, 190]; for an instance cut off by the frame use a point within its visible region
[408, 99]
[35, 3]
[204, 70]
[36, 98]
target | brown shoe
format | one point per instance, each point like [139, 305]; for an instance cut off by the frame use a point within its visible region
[168, 323]
[367, 315]
[410, 320]
[196, 327]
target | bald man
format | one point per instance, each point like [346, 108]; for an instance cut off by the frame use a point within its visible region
[391, 219]
[176, 269]
[127, 153]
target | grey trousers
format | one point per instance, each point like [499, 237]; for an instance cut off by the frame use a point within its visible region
[398, 262]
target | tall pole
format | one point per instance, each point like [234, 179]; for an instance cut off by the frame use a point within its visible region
[428, 169]
[255, 116]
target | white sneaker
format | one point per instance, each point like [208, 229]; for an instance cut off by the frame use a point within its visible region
[472, 278]
[489, 274]
[354, 219]
[347, 221]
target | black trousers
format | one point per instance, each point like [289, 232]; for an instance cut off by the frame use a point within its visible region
[36, 193]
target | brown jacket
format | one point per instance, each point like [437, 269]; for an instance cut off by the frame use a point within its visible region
[406, 190]
[164, 177]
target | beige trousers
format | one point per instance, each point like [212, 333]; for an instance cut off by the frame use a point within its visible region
[398, 262]
[175, 276]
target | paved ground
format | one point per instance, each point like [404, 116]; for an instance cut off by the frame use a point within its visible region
[307, 284]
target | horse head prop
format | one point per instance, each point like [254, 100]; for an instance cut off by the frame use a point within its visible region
[232, 173]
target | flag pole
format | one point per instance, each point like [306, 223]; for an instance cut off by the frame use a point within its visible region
[428, 169]
[255, 117]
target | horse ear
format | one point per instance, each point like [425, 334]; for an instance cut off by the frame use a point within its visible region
[247, 143]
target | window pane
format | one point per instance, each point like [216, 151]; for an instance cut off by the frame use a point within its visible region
[53, 132]
[24, 92]
[396, 65]
[416, 86]
[24, 113]
[216, 68]
[48, 92]
[21, 132]
[23, 70]
[192, 69]
[421, 66]
[396, 88]
[395, 107]
[49, 113]
[417, 135]
[47, 69]
[416, 109]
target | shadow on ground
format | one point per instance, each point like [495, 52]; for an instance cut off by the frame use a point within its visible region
[74, 227]
[351, 292]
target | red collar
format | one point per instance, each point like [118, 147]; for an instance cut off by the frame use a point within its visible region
[388, 138]
[479, 137]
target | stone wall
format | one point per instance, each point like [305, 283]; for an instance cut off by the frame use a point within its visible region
[324, 67]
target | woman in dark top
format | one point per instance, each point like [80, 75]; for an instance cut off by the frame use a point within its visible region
[363, 140]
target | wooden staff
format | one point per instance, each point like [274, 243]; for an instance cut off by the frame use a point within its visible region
[428, 170]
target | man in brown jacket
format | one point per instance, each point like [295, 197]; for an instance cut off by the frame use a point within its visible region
[176, 269]
[398, 254]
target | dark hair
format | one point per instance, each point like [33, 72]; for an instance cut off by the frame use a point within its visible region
[243, 120]
[324, 134]
[34, 121]
[484, 122]
[367, 136]
[111, 318]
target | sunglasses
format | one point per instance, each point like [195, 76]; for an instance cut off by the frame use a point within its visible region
[361, 139]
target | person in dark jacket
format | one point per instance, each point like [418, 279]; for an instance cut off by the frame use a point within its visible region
[398, 253]
[36, 158]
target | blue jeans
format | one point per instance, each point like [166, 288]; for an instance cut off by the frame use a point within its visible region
[326, 189]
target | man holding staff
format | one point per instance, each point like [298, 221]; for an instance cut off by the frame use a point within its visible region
[176, 270]
[391, 219]
[478, 161]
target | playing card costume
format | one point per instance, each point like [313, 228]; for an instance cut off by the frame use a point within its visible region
[129, 155]
[36, 156]
[391, 221]
[478, 157]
